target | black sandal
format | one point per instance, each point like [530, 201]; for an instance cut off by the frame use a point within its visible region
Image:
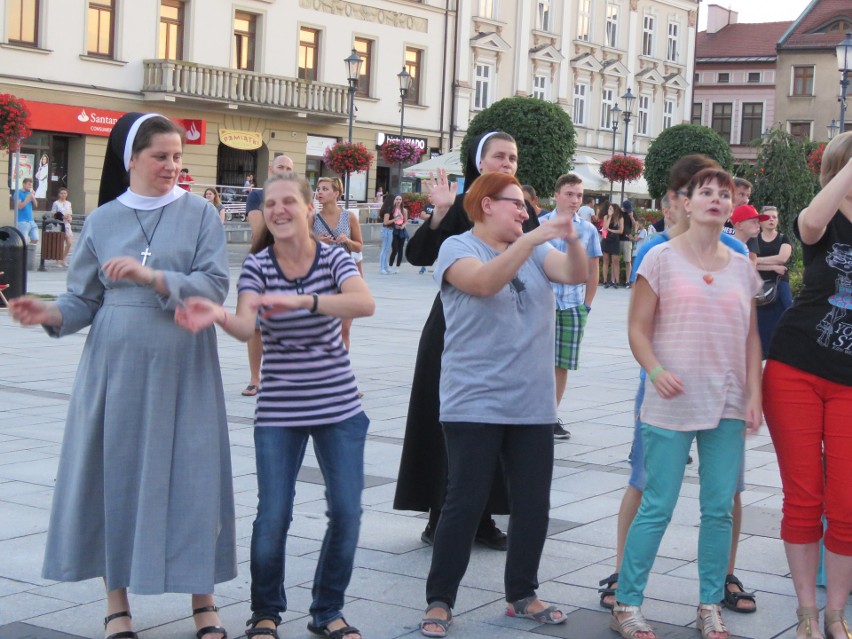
[607, 590]
[124, 634]
[209, 630]
[732, 598]
[254, 631]
[340, 633]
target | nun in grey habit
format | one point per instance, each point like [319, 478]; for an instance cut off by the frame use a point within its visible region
[143, 495]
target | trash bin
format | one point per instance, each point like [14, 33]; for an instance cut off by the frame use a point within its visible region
[13, 262]
[52, 240]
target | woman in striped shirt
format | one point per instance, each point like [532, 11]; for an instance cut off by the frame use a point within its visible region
[302, 289]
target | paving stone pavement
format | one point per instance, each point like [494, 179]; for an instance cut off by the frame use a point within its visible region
[386, 596]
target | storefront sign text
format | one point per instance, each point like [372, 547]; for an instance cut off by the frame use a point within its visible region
[242, 140]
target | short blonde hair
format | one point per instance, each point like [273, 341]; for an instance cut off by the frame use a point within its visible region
[835, 157]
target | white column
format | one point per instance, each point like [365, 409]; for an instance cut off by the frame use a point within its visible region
[521, 82]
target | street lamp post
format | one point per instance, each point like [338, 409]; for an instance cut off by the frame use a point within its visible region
[614, 112]
[404, 85]
[353, 72]
[844, 65]
[833, 128]
[628, 98]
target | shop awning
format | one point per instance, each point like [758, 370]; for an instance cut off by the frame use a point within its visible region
[449, 161]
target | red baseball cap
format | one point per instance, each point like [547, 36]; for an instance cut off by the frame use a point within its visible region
[747, 212]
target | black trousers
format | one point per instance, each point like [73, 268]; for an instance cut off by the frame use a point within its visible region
[397, 244]
[473, 452]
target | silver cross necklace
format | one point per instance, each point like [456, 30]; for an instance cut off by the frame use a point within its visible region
[147, 252]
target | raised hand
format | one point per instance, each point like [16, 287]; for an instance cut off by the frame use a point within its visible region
[442, 192]
[127, 268]
[197, 314]
[29, 311]
[276, 304]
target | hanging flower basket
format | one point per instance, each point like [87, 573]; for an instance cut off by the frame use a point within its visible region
[348, 157]
[815, 159]
[14, 122]
[401, 152]
[622, 168]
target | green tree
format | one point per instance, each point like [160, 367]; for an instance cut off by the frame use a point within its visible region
[544, 133]
[677, 141]
[782, 177]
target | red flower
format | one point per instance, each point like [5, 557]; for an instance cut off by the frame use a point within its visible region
[622, 168]
[14, 118]
[815, 159]
[404, 152]
[345, 157]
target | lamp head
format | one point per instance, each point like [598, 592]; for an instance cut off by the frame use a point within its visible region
[844, 54]
[404, 81]
[353, 67]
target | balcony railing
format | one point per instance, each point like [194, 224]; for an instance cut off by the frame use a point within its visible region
[244, 88]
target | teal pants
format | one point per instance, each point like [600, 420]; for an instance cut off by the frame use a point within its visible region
[720, 453]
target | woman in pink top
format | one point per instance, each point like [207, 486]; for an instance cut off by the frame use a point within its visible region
[692, 327]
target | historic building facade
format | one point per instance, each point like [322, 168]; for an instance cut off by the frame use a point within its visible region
[255, 78]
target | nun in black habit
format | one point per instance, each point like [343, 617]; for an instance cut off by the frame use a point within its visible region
[422, 480]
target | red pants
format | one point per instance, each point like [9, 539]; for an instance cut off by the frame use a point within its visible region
[810, 420]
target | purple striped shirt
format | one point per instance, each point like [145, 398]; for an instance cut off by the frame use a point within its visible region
[306, 379]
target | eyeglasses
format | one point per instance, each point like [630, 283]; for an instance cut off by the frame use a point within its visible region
[521, 205]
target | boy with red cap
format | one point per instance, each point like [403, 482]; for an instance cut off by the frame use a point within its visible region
[746, 222]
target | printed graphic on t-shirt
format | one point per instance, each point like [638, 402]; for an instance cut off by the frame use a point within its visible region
[835, 333]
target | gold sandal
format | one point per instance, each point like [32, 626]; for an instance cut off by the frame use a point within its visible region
[631, 625]
[810, 618]
[711, 621]
[832, 617]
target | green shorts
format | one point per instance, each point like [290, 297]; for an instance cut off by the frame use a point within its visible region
[570, 324]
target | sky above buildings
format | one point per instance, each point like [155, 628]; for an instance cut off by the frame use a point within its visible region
[757, 10]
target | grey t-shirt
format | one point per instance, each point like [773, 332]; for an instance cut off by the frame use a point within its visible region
[586, 212]
[497, 364]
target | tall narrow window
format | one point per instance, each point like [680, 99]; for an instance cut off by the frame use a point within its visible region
[487, 8]
[607, 102]
[752, 123]
[100, 35]
[668, 114]
[309, 44]
[414, 66]
[364, 49]
[171, 30]
[721, 120]
[643, 124]
[543, 16]
[23, 22]
[581, 91]
[696, 113]
[803, 81]
[611, 25]
[672, 44]
[482, 86]
[541, 87]
[648, 36]
[245, 29]
[584, 19]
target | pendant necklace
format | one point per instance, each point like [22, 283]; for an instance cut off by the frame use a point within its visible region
[707, 277]
[147, 252]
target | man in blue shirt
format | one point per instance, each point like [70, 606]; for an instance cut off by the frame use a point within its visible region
[26, 199]
[573, 302]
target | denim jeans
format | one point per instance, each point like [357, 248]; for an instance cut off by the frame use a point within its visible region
[721, 451]
[279, 452]
[387, 238]
[29, 230]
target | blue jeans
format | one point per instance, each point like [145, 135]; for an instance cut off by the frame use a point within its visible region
[29, 230]
[384, 254]
[279, 452]
[720, 450]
